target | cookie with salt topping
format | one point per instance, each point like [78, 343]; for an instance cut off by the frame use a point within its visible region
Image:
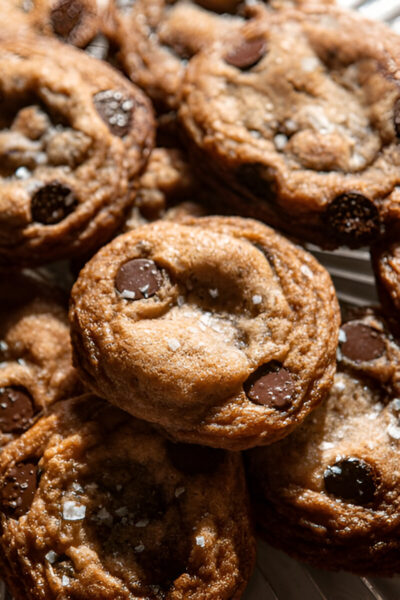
[329, 494]
[35, 351]
[96, 504]
[74, 136]
[216, 329]
[297, 114]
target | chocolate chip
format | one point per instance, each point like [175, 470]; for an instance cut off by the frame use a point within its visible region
[65, 16]
[115, 108]
[220, 6]
[396, 117]
[271, 385]
[352, 218]
[16, 410]
[362, 343]
[247, 54]
[18, 489]
[52, 203]
[192, 459]
[138, 278]
[351, 479]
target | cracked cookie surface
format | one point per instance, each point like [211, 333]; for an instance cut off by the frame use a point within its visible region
[329, 493]
[96, 504]
[74, 135]
[218, 330]
[299, 117]
[35, 352]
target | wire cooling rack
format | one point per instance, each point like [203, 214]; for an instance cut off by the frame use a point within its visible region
[278, 577]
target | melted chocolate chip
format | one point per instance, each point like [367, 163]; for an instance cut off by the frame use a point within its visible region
[65, 16]
[351, 479]
[52, 203]
[138, 278]
[352, 218]
[271, 385]
[16, 410]
[18, 489]
[116, 109]
[192, 459]
[247, 54]
[220, 6]
[363, 343]
[396, 117]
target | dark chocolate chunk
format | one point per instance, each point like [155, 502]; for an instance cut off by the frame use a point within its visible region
[18, 489]
[396, 117]
[138, 278]
[352, 218]
[65, 16]
[192, 459]
[220, 6]
[52, 203]
[16, 410]
[362, 343]
[247, 54]
[271, 385]
[351, 479]
[116, 109]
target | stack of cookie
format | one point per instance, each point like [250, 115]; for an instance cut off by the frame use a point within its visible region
[195, 330]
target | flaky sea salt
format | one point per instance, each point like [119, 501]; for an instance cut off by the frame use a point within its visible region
[342, 336]
[393, 431]
[181, 300]
[306, 271]
[64, 580]
[257, 299]
[214, 293]
[128, 295]
[73, 511]
[200, 541]
[179, 491]
[139, 548]
[122, 511]
[280, 141]
[51, 556]
[142, 523]
[173, 344]
[309, 64]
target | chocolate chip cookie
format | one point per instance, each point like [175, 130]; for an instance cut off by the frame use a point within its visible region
[35, 351]
[167, 189]
[299, 117]
[74, 135]
[218, 330]
[156, 38]
[386, 263]
[72, 21]
[329, 493]
[95, 504]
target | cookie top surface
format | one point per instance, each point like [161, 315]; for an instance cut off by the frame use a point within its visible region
[299, 114]
[73, 136]
[156, 38]
[330, 492]
[35, 351]
[112, 510]
[223, 332]
[72, 21]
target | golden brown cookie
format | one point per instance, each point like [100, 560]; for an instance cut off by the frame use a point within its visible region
[74, 135]
[168, 189]
[73, 21]
[96, 505]
[329, 493]
[299, 117]
[386, 263]
[218, 330]
[35, 351]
